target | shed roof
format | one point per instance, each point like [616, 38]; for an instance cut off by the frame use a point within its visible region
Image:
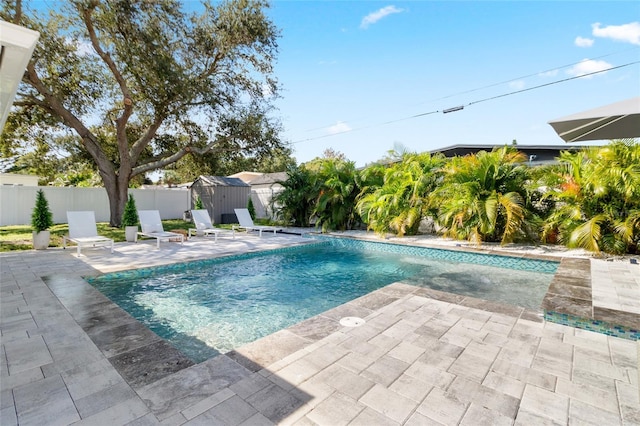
[220, 181]
[269, 178]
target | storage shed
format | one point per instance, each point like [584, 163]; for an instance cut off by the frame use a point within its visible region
[220, 195]
[263, 189]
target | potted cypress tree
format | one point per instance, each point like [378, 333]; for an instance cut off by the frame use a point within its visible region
[41, 221]
[130, 220]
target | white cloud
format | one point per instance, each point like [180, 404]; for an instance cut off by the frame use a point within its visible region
[583, 42]
[551, 73]
[587, 66]
[517, 85]
[374, 17]
[339, 127]
[629, 33]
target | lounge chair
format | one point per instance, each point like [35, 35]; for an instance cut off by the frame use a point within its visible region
[83, 231]
[152, 227]
[203, 224]
[246, 223]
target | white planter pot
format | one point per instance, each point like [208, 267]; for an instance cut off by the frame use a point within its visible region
[41, 240]
[131, 233]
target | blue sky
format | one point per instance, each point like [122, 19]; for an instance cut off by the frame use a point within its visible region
[353, 72]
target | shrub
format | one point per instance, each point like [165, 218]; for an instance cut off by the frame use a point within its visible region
[252, 209]
[130, 215]
[41, 218]
[198, 204]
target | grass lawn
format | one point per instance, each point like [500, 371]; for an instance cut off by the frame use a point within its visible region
[19, 237]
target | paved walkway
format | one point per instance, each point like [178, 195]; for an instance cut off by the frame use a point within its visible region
[68, 355]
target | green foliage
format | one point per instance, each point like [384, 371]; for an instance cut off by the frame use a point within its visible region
[198, 205]
[136, 85]
[334, 186]
[294, 203]
[483, 197]
[41, 218]
[401, 200]
[597, 198]
[251, 209]
[130, 215]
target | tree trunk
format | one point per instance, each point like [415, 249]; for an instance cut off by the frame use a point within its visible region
[117, 192]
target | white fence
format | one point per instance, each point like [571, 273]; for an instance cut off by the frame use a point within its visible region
[17, 202]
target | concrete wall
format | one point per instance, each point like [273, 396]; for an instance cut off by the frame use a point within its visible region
[17, 202]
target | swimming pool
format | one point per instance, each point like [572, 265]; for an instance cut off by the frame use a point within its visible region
[212, 306]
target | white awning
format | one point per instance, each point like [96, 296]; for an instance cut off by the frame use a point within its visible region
[17, 44]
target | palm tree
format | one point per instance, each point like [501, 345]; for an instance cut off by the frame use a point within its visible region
[402, 201]
[335, 185]
[597, 194]
[483, 196]
[294, 203]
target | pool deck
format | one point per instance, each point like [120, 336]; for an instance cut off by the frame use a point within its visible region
[70, 356]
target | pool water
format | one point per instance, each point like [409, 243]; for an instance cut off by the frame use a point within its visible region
[209, 307]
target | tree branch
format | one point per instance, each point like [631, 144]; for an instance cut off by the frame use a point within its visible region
[162, 162]
[54, 105]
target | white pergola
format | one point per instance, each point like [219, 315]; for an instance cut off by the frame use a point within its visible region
[17, 45]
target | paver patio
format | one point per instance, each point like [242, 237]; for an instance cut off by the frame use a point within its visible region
[70, 356]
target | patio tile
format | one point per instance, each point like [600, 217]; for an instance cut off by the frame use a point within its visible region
[149, 363]
[527, 418]
[505, 384]
[406, 352]
[468, 391]
[442, 407]
[587, 414]
[185, 388]
[418, 419]
[232, 411]
[526, 375]
[479, 415]
[431, 374]
[411, 387]
[21, 379]
[543, 403]
[344, 381]
[266, 351]
[207, 403]
[298, 371]
[104, 399]
[368, 417]
[27, 354]
[336, 410]
[43, 401]
[249, 385]
[389, 403]
[275, 403]
[325, 355]
[471, 367]
[385, 370]
[606, 369]
[315, 328]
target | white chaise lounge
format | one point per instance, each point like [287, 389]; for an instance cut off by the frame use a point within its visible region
[83, 231]
[152, 227]
[203, 223]
[246, 223]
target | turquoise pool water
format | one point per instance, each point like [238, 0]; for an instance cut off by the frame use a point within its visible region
[209, 307]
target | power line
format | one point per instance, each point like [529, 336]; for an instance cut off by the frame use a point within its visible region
[460, 107]
[464, 92]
